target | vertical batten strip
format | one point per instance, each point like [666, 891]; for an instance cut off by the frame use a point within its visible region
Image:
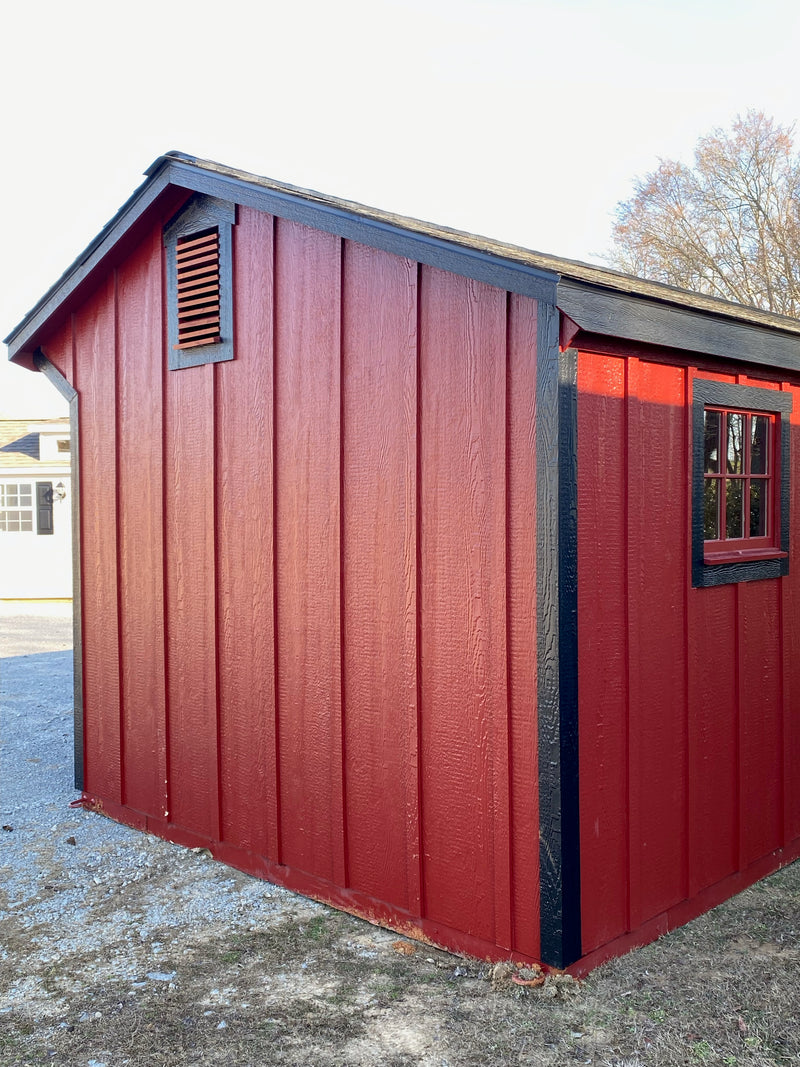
[556, 507]
[216, 582]
[501, 726]
[416, 860]
[632, 631]
[686, 439]
[626, 600]
[339, 824]
[277, 840]
[168, 789]
[420, 800]
[344, 863]
[123, 797]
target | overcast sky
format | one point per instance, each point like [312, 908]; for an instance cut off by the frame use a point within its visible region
[523, 120]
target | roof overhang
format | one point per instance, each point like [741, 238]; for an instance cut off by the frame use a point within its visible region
[602, 303]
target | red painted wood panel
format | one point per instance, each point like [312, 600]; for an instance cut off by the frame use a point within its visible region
[713, 783]
[379, 573]
[141, 570]
[760, 711]
[658, 556]
[58, 350]
[462, 594]
[191, 600]
[95, 341]
[602, 647]
[521, 580]
[760, 720]
[307, 435]
[246, 568]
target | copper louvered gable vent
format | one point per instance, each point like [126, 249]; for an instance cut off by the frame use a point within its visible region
[198, 289]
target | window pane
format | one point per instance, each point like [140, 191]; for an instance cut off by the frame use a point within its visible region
[734, 512]
[735, 445]
[759, 442]
[711, 422]
[16, 521]
[758, 509]
[711, 509]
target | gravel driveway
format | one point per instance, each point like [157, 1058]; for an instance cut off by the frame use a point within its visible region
[120, 950]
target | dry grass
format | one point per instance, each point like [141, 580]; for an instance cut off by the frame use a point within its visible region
[322, 988]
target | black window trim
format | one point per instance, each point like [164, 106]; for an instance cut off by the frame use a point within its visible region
[201, 213]
[748, 398]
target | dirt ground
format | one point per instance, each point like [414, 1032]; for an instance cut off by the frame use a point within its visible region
[119, 949]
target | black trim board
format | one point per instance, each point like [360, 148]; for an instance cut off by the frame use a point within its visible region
[432, 251]
[557, 644]
[21, 337]
[179, 175]
[648, 321]
[43, 364]
[727, 394]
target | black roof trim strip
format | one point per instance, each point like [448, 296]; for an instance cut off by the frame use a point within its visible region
[433, 251]
[647, 321]
[169, 170]
[133, 208]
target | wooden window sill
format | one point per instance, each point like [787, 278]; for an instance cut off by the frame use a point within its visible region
[743, 555]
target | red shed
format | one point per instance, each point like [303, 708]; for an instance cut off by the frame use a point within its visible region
[444, 581]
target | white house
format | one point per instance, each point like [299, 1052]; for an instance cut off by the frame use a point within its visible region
[35, 511]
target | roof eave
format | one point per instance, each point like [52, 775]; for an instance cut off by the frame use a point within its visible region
[582, 288]
[23, 339]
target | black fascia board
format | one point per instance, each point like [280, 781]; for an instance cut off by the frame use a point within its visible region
[169, 171]
[422, 248]
[131, 211]
[642, 319]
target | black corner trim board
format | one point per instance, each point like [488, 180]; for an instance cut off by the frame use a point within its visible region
[199, 213]
[51, 372]
[557, 645]
[750, 397]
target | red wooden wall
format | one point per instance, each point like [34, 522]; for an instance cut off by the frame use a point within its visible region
[688, 697]
[309, 632]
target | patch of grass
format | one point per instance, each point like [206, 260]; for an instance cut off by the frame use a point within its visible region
[315, 988]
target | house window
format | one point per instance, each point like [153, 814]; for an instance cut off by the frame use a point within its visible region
[740, 495]
[199, 283]
[16, 507]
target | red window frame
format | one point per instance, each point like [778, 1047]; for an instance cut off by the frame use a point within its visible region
[725, 547]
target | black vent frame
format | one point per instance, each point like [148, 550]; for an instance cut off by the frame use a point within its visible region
[198, 243]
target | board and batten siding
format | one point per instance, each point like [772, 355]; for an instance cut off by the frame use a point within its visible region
[323, 653]
[689, 730]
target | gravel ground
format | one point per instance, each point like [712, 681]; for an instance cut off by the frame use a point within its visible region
[120, 950]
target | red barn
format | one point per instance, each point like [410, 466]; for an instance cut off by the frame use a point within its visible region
[444, 581]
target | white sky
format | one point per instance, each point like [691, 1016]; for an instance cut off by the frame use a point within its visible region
[524, 120]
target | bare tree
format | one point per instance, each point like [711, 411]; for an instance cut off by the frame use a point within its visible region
[729, 226]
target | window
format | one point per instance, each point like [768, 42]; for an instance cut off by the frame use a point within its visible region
[16, 507]
[740, 495]
[738, 487]
[199, 283]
